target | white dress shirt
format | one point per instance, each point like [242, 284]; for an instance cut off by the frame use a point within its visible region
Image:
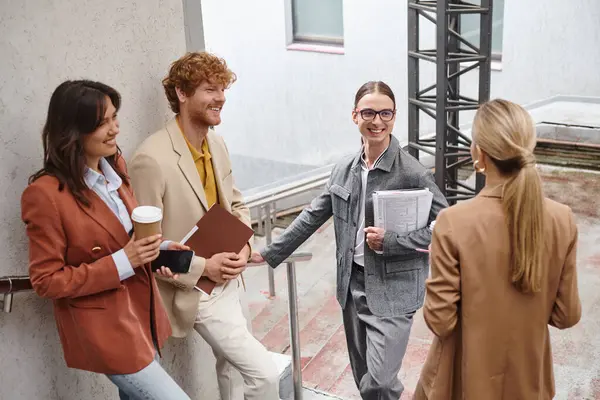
[106, 186]
[359, 244]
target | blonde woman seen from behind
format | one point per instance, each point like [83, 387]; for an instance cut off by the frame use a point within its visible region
[503, 267]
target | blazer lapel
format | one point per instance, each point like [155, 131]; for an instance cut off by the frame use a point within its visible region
[186, 163]
[215, 157]
[131, 203]
[127, 198]
[355, 189]
[103, 215]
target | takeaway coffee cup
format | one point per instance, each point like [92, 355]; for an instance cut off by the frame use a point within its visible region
[146, 221]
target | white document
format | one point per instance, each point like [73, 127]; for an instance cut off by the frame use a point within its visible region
[402, 211]
[189, 234]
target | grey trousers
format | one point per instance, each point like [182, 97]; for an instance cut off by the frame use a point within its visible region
[376, 345]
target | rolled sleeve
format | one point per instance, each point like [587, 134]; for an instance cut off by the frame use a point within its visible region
[123, 265]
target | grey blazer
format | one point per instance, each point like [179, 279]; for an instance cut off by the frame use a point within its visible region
[395, 280]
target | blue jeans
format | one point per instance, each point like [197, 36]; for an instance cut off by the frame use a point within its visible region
[151, 383]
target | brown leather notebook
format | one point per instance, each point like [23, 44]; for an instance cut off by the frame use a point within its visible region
[218, 231]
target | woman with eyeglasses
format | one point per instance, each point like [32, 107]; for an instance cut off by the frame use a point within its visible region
[503, 268]
[82, 253]
[380, 274]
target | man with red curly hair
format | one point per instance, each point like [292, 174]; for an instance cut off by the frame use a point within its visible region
[184, 169]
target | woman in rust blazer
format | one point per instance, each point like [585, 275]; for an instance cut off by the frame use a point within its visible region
[503, 268]
[77, 211]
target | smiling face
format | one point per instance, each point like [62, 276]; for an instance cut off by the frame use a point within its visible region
[102, 142]
[204, 106]
[374, 130]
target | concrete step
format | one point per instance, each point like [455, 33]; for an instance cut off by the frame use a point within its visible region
[313, 394]
[286, 384]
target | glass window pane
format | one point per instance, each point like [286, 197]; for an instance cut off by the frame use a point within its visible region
[318, 20]
[470, 26]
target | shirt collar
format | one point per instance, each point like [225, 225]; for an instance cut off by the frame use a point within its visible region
[196, 154]
[363, 160]
[495, 191]
[387, 158]
[92, 177]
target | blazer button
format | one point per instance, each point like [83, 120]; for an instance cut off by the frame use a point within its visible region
[96, 249]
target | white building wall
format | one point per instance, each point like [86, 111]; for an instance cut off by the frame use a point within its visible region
[295, 106]
[129, 45]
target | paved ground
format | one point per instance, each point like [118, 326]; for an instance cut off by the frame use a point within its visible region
[324, 357]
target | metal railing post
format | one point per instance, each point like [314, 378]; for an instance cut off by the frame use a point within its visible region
[269, 238]
[7, 306]
[293, 317]
[260, 228]
[294, 330]
[7, 298]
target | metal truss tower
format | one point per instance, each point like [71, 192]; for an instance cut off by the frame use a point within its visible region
[453, 57]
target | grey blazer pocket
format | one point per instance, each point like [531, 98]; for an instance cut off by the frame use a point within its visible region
[402, 264]
[340, 201]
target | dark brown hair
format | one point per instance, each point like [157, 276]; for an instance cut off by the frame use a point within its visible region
[76, 109]
[190, 71]
[374, 87]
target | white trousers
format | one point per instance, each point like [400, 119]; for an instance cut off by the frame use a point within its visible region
[245, 369]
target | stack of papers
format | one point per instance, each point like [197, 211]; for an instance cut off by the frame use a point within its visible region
[402, 211]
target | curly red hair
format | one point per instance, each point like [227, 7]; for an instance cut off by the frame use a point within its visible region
[191, 70]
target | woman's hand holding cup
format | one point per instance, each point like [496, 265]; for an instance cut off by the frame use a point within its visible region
[143, 251]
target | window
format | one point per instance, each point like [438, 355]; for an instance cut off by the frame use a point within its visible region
[470, 27]
[318, 22]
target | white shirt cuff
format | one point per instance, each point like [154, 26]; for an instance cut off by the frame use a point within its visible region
[165, 244]
[123, 265]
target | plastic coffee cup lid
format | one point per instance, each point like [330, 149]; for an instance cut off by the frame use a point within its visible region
[146, 214]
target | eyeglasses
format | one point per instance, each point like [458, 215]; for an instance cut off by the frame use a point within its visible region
[368, 115]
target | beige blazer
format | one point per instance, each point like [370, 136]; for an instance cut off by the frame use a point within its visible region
[492, 341]
[163, 174]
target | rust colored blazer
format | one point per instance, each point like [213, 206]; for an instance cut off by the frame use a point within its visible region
[105, 325]
[492, 341]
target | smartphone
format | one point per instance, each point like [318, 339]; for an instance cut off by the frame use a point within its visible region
[178, 261]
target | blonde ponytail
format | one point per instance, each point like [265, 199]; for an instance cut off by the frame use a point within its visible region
[506, 133]
[523, 202]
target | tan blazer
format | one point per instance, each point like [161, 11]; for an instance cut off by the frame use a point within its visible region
[492, 342]
[164, 175]
[105, 325]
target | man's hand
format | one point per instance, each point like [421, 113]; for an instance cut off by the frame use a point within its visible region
[224, 266]
[375, 238]
[256, 258]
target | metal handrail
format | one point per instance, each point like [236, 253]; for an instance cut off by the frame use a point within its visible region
[261, 198]
[265, 201]
[293, 317]
[10, 285]
[269, 197]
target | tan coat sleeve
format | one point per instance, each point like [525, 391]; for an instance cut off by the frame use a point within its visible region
[149, 187]
[567, 306]
[443, 288]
